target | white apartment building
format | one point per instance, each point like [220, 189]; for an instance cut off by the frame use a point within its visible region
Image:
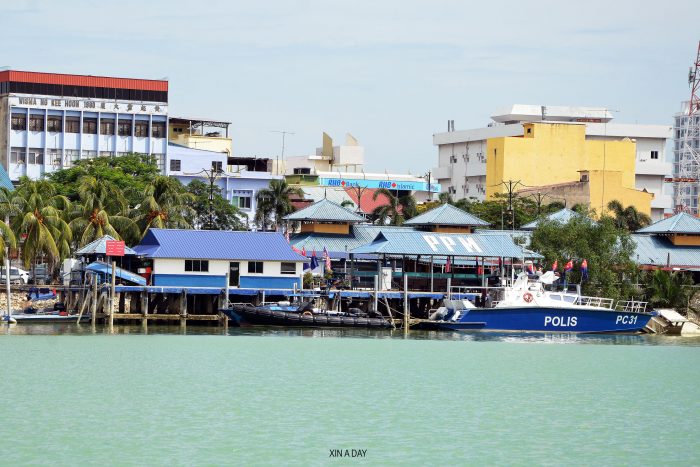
[461, 167]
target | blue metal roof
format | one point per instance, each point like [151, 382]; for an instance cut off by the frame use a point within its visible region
[659, 251]
[99, 247]
[562, 216]
[216, 244]
[325, 210]
[680, 223]
[5, 181]
[337, 244]
[446, 214]
[106, 269]
[392, 242]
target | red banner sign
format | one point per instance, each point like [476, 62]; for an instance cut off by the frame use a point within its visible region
[115, 248]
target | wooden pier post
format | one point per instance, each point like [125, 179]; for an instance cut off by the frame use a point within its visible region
[449, 287]
[406, 311]
[375, 299]
[183, 308]
[93, 303]
[111, 294]
[227, 291]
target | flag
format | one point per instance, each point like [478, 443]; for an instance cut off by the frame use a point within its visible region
[286, 235]
[327, 259]
[297, 250]
[314, 260]
[555, 266]
[303, 251]
[448, 265]
[584, 270]
[569, 266]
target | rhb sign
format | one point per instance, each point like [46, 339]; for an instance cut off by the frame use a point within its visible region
[114, 248]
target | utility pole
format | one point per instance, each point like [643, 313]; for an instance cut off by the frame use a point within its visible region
[211, 175]
[510, 186]
[284, 133]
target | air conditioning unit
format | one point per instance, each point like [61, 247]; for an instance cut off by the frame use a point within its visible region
[453, 159]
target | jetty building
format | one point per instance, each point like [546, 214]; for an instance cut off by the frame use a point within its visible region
[574, 153]
[672, 244]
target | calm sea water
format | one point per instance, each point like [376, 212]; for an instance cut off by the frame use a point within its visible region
[263, 396]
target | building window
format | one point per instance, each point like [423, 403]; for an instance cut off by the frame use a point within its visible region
[241, 202]
[654, 154]
[17, 156]
[124, 127]
[288, 267]
[19, 122]
[106, 154]
[216, 166]
[255, 267]
[54, 157]
[90, 126]
[36, 123]
[72, 156]
[35, 156]
[107, 127]
[72, 125]
[175, 165]
[158, 129]
[159, 160]
[141, 129]
[89, 154]
[196, 265]
[54, 124]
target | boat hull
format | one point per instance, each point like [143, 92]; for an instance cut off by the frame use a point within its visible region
[543, 319]
[249, 315]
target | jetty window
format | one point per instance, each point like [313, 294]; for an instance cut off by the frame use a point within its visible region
[36, 123]
[197, 265]
[288, 267]
[54, 124]
[255, 267]
[19, 122]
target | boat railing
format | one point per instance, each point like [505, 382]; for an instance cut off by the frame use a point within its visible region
[598, 302]
[631, 306]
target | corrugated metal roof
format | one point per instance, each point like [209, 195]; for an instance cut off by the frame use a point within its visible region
[317, 193]
[216, 244]
[659, 251]
[446, 214]
[426, 244]
[99, 247]
[337, 245]
[325, 210]
[680, 223]
[84, 80]
[5, 179]
[562, 216]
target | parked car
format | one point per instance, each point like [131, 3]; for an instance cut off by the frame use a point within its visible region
[17, 276]
[40, 274]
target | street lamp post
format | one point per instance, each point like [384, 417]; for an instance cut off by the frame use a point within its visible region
[212, 175]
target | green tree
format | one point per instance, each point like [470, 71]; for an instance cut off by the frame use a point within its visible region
[274, 202]
[389, 212]
[101, 210]
[607, 248]
[628, 218]
[224, 215]
[131, 173]
[40, 221]
[668, 289]
[164, 204]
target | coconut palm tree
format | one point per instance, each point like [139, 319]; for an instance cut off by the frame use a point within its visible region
[275, 200]
[165, 205]
[628, 218]
[668, 289]
[391, 211]
[40, 221]
[102, 210]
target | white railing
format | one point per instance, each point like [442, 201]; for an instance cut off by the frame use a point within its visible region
[631, 306]
[598, 302]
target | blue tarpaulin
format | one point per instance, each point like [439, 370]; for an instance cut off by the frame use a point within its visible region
[104, 268]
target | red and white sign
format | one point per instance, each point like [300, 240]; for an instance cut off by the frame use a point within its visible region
[115, 248]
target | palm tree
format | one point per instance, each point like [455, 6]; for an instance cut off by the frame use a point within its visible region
[165, 205]
[40, 221]
[275, 200]
[445, 198]
[666, 289]
[628, 218]
[390, 211]
[347, 203]
[408, 206]
[102, 211]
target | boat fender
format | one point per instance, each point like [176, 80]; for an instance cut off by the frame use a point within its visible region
[527, 297]
[307, 313]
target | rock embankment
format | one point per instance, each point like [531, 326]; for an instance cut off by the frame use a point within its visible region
[19, 303]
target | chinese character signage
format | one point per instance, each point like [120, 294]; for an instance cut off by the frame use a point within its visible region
[89, 105]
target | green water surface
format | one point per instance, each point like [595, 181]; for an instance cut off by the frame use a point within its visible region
[288, 397]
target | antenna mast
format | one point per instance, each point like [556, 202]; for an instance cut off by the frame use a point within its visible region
[687, 174]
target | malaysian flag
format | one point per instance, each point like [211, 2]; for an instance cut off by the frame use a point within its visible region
[327, 259]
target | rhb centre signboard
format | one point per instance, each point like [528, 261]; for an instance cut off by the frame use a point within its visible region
[388, 184]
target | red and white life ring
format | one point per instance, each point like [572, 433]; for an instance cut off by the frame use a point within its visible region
[527, 297]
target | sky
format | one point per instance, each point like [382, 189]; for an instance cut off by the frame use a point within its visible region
[391, 72]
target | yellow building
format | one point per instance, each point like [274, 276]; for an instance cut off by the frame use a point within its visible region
[558, 159]
[207, 135]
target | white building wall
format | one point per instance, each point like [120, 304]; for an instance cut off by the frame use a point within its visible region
[219, 267]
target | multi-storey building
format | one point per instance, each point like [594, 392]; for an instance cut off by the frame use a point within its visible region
[686, 159]
[49, 121]
[462, 155]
